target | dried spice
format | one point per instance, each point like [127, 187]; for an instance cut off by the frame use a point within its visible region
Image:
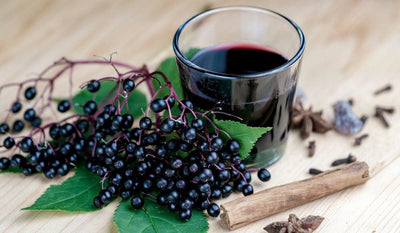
[314, 171]
[359, 139]
[380, 114]
[351, 102]
[295, 225]
[350, 159]
[346, 120]
[309, 121]
[386, 88]
[311, 148]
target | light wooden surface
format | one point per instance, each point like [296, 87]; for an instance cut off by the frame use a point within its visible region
[353, 48]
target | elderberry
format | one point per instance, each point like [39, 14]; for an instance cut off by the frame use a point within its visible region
[16, 107]
[63, 106]
[128, 85]
[30, 93]
[93, 86]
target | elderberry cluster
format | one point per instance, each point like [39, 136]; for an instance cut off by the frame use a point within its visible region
[183, 161]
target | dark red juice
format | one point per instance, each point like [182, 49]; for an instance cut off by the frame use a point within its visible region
[260, 101]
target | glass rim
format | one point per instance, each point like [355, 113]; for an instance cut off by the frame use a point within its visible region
[179, 54]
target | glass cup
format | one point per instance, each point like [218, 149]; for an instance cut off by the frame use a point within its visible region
[260, 99]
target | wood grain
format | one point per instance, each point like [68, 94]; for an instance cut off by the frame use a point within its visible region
[352, 49]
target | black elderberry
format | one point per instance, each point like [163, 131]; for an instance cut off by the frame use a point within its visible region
[125, 194]
[147, 185]
[205, 175]
[227, 190]
[162, 200]
[158, 105]
[36, 122]
[236, 160]
[185, 147]
[16, 107]
[212, 158]
[4, 163]
[170, 100]
[224, 176]
[30, 93]
[203, 146]
[137, 202]
[113, 189]
[176, 162]
[161, 150]
[213, 210]
[97, 202]
[27, 144]
[115, 179]
[167, 126]
[82, 125]
[185, 215]
[187, 103]
[127, 121]
[247, 176]
[66, 130]
[203, 205]
[50, 173]
[4, 128]
[63, 106]
[161, 184]
[216, 194]
[247, 189]
[198, 124]
[216, 144]
[118, 164]
[63, 169]
[172, 207]
[264, 175]
[188, 134]
[8, 142]
[28, 170]
[128, 85]
[173, 145]
[54, 132]
[145, 123]
[29, 114]
[90, 107]
[233, 146]
[180, 184]
[18, 126]
[238, 184]
[93, 86]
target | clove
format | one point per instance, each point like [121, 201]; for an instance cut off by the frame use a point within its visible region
[314, 171]
[379, 114]
[389, 110]
[350, 159]
[311, 148]
[386, 88]
[359, 139]
[364, 119]
[351, 102]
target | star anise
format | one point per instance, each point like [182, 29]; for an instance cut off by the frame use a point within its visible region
[295, 225]
[309, 121]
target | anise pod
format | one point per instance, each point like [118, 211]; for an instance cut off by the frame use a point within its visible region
[319, 124]
[306, 127]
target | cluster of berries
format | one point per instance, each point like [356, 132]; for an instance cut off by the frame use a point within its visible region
[182, 161]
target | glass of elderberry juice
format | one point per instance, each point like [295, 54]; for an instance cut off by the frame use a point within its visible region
[245, 61]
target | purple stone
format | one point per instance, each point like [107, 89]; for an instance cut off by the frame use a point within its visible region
[346, 121]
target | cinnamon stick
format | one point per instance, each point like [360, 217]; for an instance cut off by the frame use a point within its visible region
[240, 212]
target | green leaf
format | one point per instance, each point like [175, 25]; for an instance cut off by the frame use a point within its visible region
[246, 135]
[169, 68]
[136, 101]
[154, 219]
[12, 170]
[76, 194]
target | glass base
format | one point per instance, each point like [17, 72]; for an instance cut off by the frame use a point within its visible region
[265, 158]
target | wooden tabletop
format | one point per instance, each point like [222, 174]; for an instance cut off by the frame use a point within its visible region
[352, 49]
